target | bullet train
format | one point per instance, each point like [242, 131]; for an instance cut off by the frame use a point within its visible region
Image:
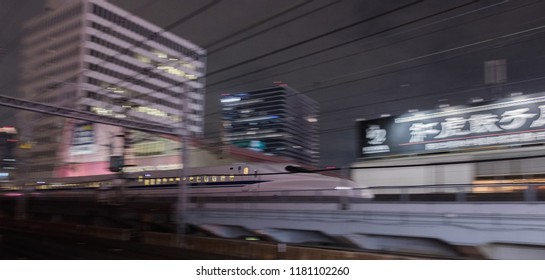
[236, 180]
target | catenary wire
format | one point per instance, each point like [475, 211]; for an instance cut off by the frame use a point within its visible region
[298, 17]
[256, 24]
[316, 37]
[375, 40]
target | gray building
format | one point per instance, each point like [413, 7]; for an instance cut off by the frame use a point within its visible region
[277, 121]
[91, 55]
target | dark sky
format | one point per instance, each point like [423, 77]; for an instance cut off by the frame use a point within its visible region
[357, 58]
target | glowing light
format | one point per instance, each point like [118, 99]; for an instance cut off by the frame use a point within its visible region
[8, 129]
[102, 111]
[230, 99]
[13, 194]
[152, 111]
[312, 119]
[161, 55]
[251, 238]
[342, 188]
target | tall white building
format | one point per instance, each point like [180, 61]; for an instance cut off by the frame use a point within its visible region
[91, 55]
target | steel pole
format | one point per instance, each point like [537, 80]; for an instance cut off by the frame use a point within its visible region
[182, 194]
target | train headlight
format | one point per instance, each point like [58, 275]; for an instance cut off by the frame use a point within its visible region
[343, 188]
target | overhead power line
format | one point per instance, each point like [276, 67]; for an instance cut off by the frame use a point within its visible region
[366, 50]
[327, 48]
[259, 32]
[254, 25]
[315, 37]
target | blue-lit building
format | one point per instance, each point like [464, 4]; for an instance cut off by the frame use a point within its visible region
[276, 121]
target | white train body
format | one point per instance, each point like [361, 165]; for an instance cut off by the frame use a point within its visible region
[258, 179]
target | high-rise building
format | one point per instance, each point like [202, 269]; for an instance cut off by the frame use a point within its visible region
[91, 55]
[278, 121]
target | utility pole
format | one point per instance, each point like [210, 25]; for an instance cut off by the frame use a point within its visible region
[118, 162]
[21, 203]
[181, 205]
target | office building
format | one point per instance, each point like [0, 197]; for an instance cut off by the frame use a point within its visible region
[277, 121]
[93, 56]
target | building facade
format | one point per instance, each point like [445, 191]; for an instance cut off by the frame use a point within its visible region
[93, 56]
[277, 121]
[481, 144]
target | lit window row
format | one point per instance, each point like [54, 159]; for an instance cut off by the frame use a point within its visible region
[191, 179]
[163, 55]
[149, 148]
[141, 109]
[152, 111]
[251, 137]
[168, 68]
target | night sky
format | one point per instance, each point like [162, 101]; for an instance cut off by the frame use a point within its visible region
[358, 59]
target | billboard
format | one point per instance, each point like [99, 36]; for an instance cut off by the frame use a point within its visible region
[514, 121]
[82, 139]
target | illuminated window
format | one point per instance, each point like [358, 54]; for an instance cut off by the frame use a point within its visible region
[149, 148]
[101, 111]
[160, 54]
[152, 111]
[143, 59]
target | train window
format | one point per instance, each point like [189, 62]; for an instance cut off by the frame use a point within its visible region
[246, 170]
